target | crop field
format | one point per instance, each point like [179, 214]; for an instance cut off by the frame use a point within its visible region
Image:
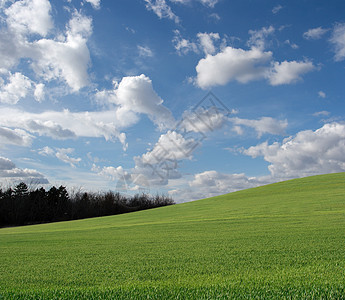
[285, 240]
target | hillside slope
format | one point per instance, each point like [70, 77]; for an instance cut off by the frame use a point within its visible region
[279, 240]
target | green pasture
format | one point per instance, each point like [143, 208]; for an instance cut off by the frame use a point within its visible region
[285, 240]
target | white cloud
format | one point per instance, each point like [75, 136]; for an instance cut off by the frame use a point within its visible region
[17, 88]
[10, 50]
[232, 64]
[65, 124]
[183, 46]
[135, 95]
[322, 94]
[14, 137]
[132, 96]
[262, 126]
[39, 92]
[314, 33]
[215, 17]
[276, 9]
[338, 41]
[321, 113]
[29, 17]
[111, 173]
[145, 51]
[236, 64]
[207, 41]
[10, 173]
[49, 128]
[212, 183]
[65, 57]
[258, 37]
[96, 4]
[292, 45]
[181, 1]
[6, 164]
[203, 120]
[46, 151]
[161, 9]
[68, 59]
[170, 146]
[63, 155]
[157, 166]
[209, 3]
[287, 72]
[308, 153]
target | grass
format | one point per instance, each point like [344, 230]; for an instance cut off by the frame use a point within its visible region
[284, 240]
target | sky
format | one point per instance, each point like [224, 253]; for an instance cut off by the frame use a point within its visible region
[187, 98]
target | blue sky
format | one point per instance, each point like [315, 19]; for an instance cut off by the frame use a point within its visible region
[100, 95]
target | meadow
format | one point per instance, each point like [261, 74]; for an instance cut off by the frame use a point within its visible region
[280, 241]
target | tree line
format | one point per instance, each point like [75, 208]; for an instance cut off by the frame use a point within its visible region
[21, 206]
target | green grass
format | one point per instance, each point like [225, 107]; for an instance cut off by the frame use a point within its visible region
[285, 240]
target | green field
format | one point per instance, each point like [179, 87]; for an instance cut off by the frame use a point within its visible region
[285, 240]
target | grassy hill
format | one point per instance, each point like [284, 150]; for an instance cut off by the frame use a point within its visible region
[281, 240]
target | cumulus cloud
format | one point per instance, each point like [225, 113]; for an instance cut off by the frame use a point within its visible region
[63, 155]
[287, 72]
[182, 45]
[203, 120]
[18, 87]
[16, 137]
[49, 128]
[276, 9]
[39, 92]
[323, 113]
[6, 164]
[212, 183]
[157, 166]
[338, 41]
[30, 17]
[10, 50]
[207, 41]
[322, 94]
[96, 4]
[314, 33]
[135, 95]
[215, 17]
[65, 124]
[307, 153]
[170, 146]
[209, 3]
[10, 173]
[65, 58]
[46, 151]
[68, 59]
[236, 64]
[261, 126]
[258, 37]
[161, 9]
[160, 164]
[110, 172]
[145, 51]
[292, 45]
[232, 64]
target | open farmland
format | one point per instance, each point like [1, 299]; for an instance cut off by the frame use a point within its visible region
[277, 241]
